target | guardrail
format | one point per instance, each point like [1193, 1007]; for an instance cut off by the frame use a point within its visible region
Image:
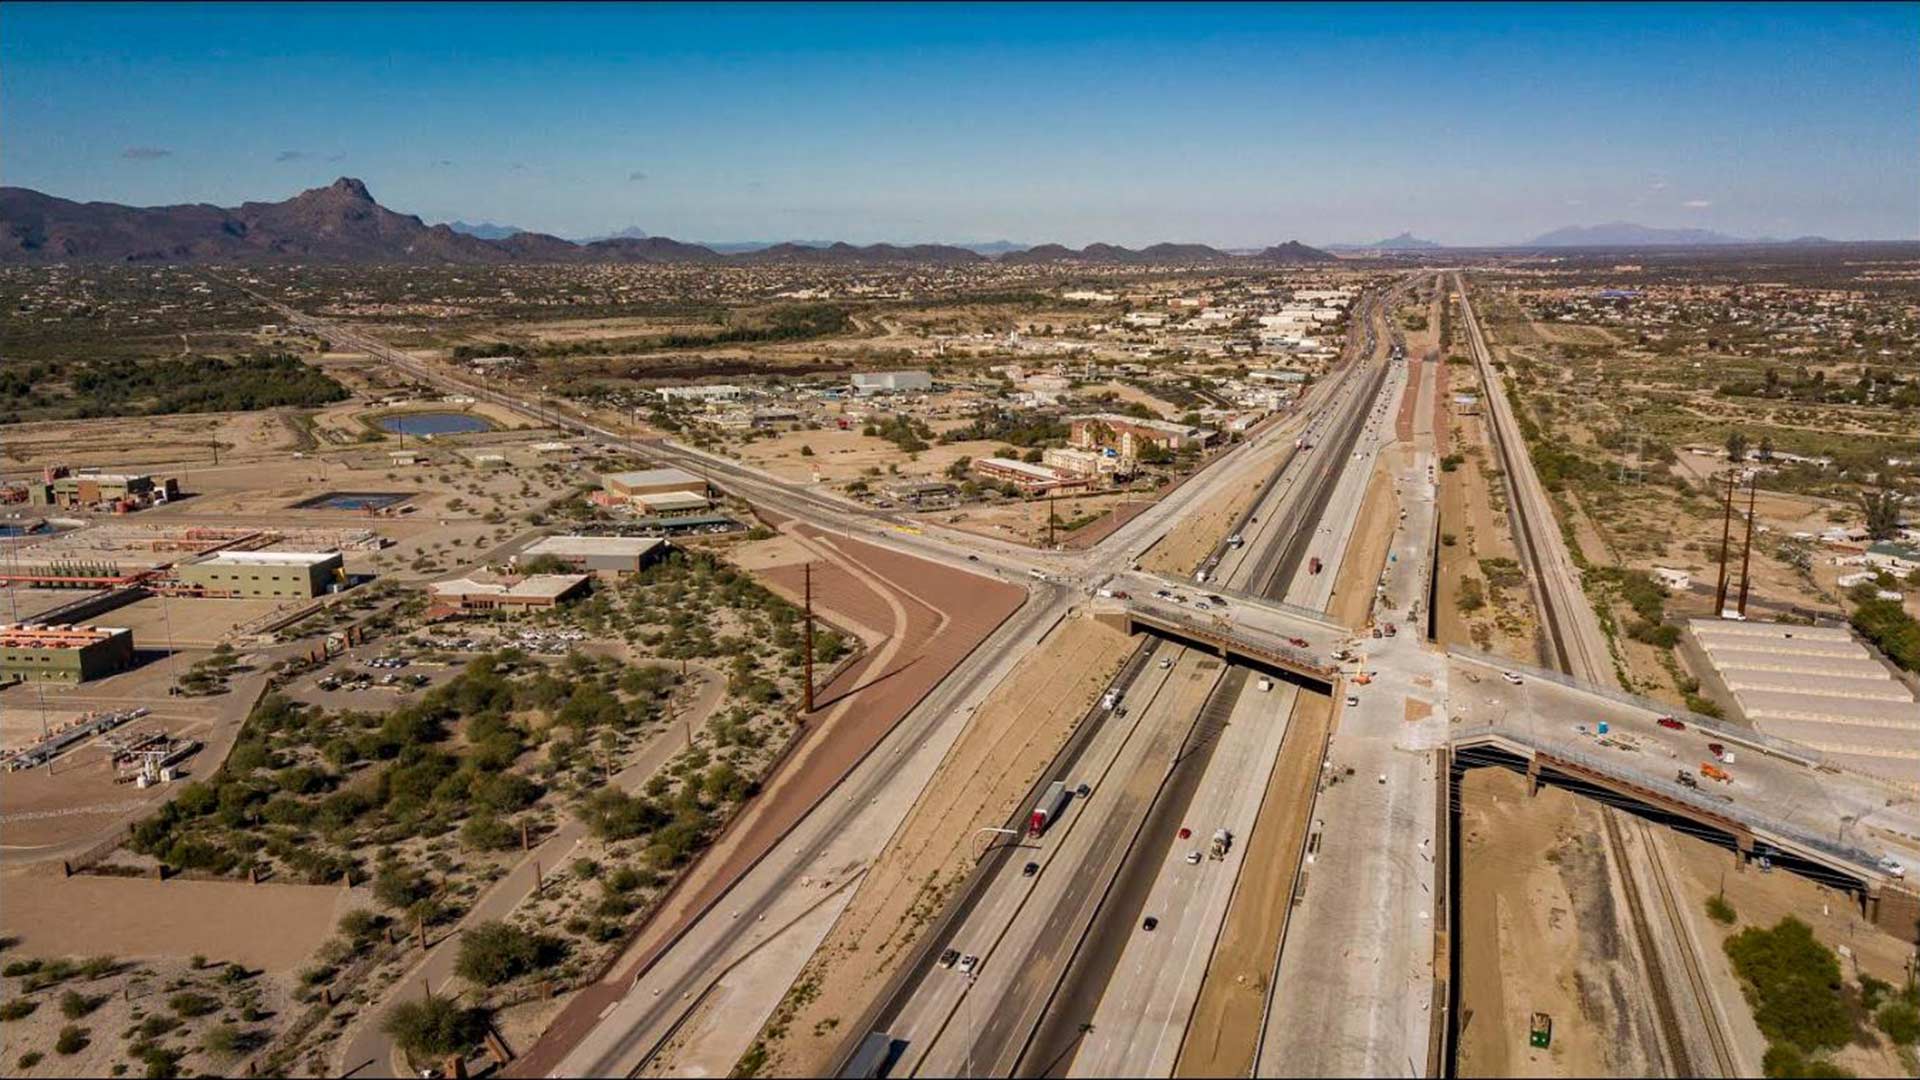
[1753, 740]
[1279, 654]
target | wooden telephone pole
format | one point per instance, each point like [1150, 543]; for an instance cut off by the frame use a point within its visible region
[1726, 532]
[1746, 553]
[809, 646]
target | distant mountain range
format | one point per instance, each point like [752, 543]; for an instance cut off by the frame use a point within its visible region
[342, 223]
[1627, 234]
[1406, 241]
[485, 230]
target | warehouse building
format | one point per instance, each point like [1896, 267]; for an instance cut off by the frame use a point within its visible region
[298, 575]
[92, 489]
[1819, 686]
[891, 382]
[669, 504]
[66, 654]
[600, 554]
[627, 485]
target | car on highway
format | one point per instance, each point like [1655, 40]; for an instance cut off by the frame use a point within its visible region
[1166, 662]
[1891, 866]
[1511, 676]
[1082, 791]
[1353, 701]
[1185, 832]
[1149, 923]
[1218, 599]
[1671, 724]
[1193, 858]
[1162, 594]
[949, 958]
[968, 964]
[1030, 869]
[973, 558]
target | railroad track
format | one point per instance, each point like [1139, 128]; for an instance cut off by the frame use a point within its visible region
[1561, 656]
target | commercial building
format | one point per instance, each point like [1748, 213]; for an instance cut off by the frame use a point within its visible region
[299, 575]
[599, 554]
[891, 382]
[535, 591]
[67, 654]
[1130, 435]
[708, 392]
[672, 503]
[1818, 686]
[626, 485]
[1031, 479]
[92, 489]
[1086, 463]
[922, 493]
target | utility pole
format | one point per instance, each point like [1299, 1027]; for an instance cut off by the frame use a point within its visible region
[1746, 554]
[809, 645]
[1726, 531]
[1051, 518]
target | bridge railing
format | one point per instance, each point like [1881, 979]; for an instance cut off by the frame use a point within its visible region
[1775, 827]
[1235, 637]
[1716, 728]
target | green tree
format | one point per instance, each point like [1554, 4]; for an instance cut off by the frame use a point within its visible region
[1736, 446]
[496, 952]
[1882, 509]
[434, 1027]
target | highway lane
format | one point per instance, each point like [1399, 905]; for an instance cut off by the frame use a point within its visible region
[1141, 1017]
[1115, 944]
[936, 997]
[1008, 1007]
[1353, 989]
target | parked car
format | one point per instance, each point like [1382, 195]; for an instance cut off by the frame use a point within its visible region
[1353, 701]
[1671, 724]
[1512, 677]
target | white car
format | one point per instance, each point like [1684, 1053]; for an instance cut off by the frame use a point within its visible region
[1511, 677]
[1165, 662]
[1353, 701]
[967, 964]
[1193, 858]
[1891, 866]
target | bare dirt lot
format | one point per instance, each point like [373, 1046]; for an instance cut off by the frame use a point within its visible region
[1539, 931]
[842, 456]
[270, 925]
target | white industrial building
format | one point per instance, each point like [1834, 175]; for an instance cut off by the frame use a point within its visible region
[891, 382]
[1818, 686]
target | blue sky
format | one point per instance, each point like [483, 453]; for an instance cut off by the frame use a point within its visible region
[1233, 125]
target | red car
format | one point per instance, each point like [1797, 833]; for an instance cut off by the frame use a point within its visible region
[1671, 723]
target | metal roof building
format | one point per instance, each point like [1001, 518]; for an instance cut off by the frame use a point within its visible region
[1818, 686]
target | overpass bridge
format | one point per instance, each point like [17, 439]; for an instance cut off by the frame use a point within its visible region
[1289, 640]
[1781, 800]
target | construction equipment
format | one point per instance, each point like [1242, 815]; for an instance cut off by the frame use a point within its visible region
[1222, 841]
[1685, 779]
[1714, 772]
[1540, 1032]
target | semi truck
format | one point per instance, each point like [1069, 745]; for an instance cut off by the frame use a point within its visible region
[1047, 810]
